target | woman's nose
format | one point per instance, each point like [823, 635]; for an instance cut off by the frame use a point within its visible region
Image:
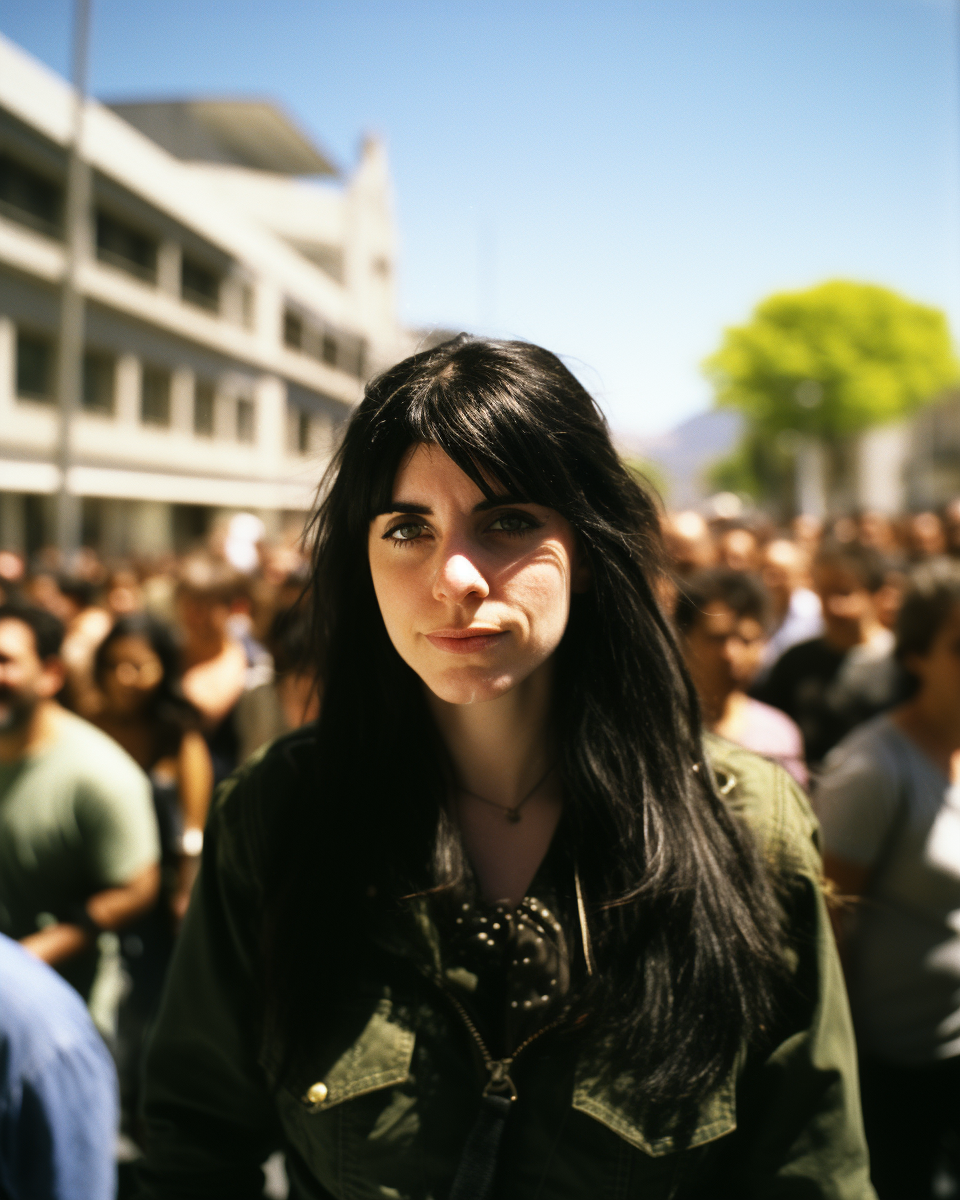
[458, 578]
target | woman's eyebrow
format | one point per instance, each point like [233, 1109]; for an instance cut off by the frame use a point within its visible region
[403, 506]
[499, 501]
[411, 506]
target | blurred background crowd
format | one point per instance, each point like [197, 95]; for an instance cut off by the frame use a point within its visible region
[798, 619]
[793, 635]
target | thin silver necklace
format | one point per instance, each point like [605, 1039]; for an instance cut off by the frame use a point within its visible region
[511, 811]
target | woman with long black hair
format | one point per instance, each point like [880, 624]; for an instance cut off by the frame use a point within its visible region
[499, 925]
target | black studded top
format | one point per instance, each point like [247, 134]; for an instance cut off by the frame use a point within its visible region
[511, 966]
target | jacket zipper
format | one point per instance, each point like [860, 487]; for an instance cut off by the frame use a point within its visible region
[498, 1069]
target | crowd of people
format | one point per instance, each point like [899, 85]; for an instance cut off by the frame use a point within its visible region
[835, 650]
[129, 690]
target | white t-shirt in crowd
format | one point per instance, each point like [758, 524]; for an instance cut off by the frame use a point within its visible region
[886, 805]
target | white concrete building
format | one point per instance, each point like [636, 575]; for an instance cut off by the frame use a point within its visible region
[233, 311]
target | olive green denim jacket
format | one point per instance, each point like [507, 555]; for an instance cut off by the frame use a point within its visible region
[382, 1110]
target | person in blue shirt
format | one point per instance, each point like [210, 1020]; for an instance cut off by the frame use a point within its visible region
[58, 1088]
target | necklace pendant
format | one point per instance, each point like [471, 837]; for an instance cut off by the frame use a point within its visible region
[513, 816]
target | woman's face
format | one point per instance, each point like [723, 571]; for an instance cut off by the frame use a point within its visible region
[133, 672]
[475, 594]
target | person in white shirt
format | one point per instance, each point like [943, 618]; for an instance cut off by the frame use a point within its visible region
[797, 612]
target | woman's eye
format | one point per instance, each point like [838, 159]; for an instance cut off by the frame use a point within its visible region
[511, 523]
[405, 533]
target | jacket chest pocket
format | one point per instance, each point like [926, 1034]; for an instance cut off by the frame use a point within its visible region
[350, 1113]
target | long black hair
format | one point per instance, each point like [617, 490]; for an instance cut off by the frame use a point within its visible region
[684, 918]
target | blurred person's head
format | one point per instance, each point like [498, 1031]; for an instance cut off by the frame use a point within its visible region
[12, 568]
[123, 594]
[31, 670]
[42, 589]
[207, 589]
[875, 530]
[807, 530]
[847, 579]
[925, 535]
[137, 669]
[688, 542]
[783, 568]
[928, 633]
[738, 549]
[844, 531]
[951, 526]
[723, 617]
[85, 564]
[78, 593]
[297, 664]
[281, 561]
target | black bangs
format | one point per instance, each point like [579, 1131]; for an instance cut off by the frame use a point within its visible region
[475, 416]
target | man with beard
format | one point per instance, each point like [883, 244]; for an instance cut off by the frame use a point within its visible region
[78, 839]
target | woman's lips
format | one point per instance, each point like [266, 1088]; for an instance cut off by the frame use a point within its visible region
[465, 641]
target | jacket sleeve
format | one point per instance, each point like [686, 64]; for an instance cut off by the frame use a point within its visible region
[800, 1129]
[800, 1107]
[209, 1118]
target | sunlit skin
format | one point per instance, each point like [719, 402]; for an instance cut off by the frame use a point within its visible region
[931, 719]
[475, 596]
[30, 719]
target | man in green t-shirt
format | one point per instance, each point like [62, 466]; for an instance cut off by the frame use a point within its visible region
[79, 849]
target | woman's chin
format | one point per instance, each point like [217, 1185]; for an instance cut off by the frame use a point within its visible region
[470, 687]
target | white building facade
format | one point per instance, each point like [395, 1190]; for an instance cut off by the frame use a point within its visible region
[233, 312]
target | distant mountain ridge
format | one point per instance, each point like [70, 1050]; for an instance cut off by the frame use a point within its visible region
[685, 454]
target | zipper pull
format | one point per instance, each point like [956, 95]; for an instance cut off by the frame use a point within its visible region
[500, 1083]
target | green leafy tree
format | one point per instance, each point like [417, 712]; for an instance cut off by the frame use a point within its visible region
[833, 360]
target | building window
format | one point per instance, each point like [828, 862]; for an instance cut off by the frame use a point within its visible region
[245, 420]
[122, 246]
[155, 397]
[335, 347]
[35, 360]
[204, 396]
[30, 198]
[247, 306]
[98, 379]
[303, 433]
[292, 330]
[353, 353]
[199, 285]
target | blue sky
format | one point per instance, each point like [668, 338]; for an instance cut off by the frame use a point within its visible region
[617, 181]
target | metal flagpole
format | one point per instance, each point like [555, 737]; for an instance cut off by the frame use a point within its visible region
[76, 236]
